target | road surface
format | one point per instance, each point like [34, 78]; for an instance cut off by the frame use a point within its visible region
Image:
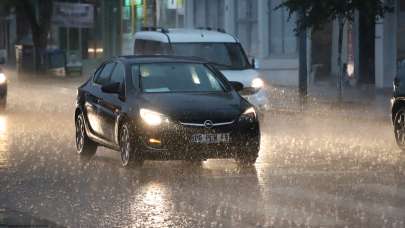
[313, 171]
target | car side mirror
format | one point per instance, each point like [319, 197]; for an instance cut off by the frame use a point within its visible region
[254, 63]
[112, 88]
[237, 86]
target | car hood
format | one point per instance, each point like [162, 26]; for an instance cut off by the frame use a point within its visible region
[194, 107]
[243, 76]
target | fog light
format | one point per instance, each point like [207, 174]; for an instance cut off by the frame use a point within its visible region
[155, 141]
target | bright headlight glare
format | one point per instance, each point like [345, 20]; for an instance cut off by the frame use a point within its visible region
[152, 118]
[350, 69]
[257, 83]
[2, 78]
[250, 111]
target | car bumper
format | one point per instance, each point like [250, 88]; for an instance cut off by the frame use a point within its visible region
[175, 141]
[260, 100]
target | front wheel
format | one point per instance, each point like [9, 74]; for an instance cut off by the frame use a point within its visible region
[399, 128]
[84, 145]
[129, 153]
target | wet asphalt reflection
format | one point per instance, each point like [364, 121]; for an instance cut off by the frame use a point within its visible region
[312, 172]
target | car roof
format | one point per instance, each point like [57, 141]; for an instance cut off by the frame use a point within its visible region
[134, 59]
[187, 36]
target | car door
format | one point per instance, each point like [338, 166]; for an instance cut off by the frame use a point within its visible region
[111, 104]
[94, 98]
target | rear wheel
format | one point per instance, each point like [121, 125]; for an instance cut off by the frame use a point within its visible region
[399, 128]
[130, 156]
[84, 145]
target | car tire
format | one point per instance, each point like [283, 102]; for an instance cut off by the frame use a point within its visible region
[399, 128]
[84, 145]
[130, 155]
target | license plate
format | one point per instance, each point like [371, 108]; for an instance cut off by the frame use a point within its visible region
[211, 138]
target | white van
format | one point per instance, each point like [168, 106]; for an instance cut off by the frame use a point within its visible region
[215, 46]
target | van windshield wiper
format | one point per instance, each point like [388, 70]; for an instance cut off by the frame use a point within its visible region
[221, 65]
[227, 66]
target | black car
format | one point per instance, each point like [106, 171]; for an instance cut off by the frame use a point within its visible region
[162, 107]
[3, 87]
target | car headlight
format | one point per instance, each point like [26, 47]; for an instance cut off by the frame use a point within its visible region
[3, 78]
[152, 118]
[248, 115]
[257, 83]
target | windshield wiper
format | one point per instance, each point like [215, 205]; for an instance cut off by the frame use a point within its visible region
[221, 65]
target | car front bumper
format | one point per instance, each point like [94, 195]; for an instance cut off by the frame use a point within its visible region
[175, 141]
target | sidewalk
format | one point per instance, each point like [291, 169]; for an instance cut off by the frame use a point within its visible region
[357, 102]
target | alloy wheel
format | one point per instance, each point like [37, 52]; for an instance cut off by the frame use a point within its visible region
[400, 129]
[79, 134]
[125, 145]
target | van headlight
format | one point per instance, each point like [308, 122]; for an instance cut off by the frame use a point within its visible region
[3, 78]
[248, 115]
[152, 118]
[257, 83]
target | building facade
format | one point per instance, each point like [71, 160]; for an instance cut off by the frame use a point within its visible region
[371, 49]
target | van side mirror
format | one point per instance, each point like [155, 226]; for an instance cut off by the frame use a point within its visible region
[254, 63]
[237, 86]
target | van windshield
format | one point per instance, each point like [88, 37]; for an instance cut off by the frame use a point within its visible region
[223, 55]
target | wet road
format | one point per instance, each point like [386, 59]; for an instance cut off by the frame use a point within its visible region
[313, 171]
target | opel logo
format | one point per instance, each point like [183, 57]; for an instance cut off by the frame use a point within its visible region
[208, 124]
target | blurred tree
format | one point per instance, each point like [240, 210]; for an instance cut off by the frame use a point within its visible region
[314, 14]
[39, 15]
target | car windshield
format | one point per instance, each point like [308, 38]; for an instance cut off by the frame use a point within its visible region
[223, 55]
[177, 77]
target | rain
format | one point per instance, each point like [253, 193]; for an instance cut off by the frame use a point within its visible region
[315, 169]
[324, 160]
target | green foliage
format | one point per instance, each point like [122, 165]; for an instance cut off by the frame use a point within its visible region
[319, 12]
[38, 14]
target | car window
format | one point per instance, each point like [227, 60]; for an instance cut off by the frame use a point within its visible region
[139, 46]
[223, 55]
[104, 77]
[153, 47]
[135, 75]
[98, 71]
[178, 77]
[118, 74]
[150, 47]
